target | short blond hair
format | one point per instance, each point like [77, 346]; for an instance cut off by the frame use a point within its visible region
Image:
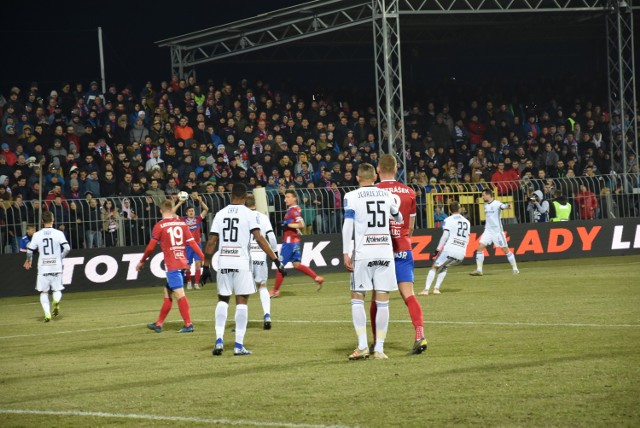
[166, 205]
[366, 172]
[388, 164]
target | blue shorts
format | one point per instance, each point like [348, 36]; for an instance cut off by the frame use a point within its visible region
[404, 266]
[290, 253]
[175, 279]
[191, 255]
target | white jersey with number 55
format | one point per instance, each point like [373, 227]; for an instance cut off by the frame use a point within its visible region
[234, 225]
[370, 209]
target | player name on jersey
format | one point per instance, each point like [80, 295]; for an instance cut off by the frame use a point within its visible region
[372, 193]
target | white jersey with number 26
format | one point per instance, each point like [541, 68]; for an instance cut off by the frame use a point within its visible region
[233, 225]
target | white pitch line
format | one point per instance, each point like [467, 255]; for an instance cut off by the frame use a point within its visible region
[494, 323]
[165, 418]
[70, 331]
[515, 324]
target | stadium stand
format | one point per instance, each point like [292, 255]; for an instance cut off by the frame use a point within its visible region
[103, 162]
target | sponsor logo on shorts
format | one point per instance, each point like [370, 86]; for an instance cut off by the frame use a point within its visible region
[223, 271]
[401, 255]
[384, 263]
[258, 263]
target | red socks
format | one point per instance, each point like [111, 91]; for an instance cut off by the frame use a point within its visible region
[307, 271]
[188, 274]
[164, 311]
[278, 283]
[198, 272]
[415, 312]
[183, 305]
[373, 311]
[302, 268]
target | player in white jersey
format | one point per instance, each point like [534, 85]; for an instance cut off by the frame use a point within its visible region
[260, 265]
[232, 228]
[451, 249]
[493, 232]
[367, 212]
[52, 247]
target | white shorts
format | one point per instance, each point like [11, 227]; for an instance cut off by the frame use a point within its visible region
[378, 275]
[260, 270]
[49, 281]
[495, 238]
[235, 281]
[445, 259]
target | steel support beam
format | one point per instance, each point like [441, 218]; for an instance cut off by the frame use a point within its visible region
[622, 83]
[325, 16]
[388, 72]
[271, 29]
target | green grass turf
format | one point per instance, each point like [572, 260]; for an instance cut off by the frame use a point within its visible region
[557, 345]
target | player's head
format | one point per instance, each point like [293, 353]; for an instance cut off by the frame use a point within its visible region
[191, 212]
[487, 195]
[387, 165]
[250, 202]
[239, 191]
[47, 218]
[31, 229]
[166, 207]
[454, 207]
[366, 174]
[290, 197]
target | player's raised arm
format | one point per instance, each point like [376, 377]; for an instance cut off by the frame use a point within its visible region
[177, 206]
[204, 209]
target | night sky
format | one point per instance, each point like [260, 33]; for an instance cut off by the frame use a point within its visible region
[57, 41]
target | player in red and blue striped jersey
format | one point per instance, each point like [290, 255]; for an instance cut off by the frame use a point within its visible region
[194, 222]
[290, 250]
[402, 250]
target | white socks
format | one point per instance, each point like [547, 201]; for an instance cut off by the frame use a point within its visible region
[430, 277]
[242, 318]
[57, 295]
[265, 299]
[44, 301]
[222, 308]
[360, 321]
[479, 260]
[441, 276]
[382, 324]
[512, 260]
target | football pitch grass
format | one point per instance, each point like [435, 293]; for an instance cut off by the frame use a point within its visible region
[557, 345]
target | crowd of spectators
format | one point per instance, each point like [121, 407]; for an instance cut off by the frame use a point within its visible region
[80, 145]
